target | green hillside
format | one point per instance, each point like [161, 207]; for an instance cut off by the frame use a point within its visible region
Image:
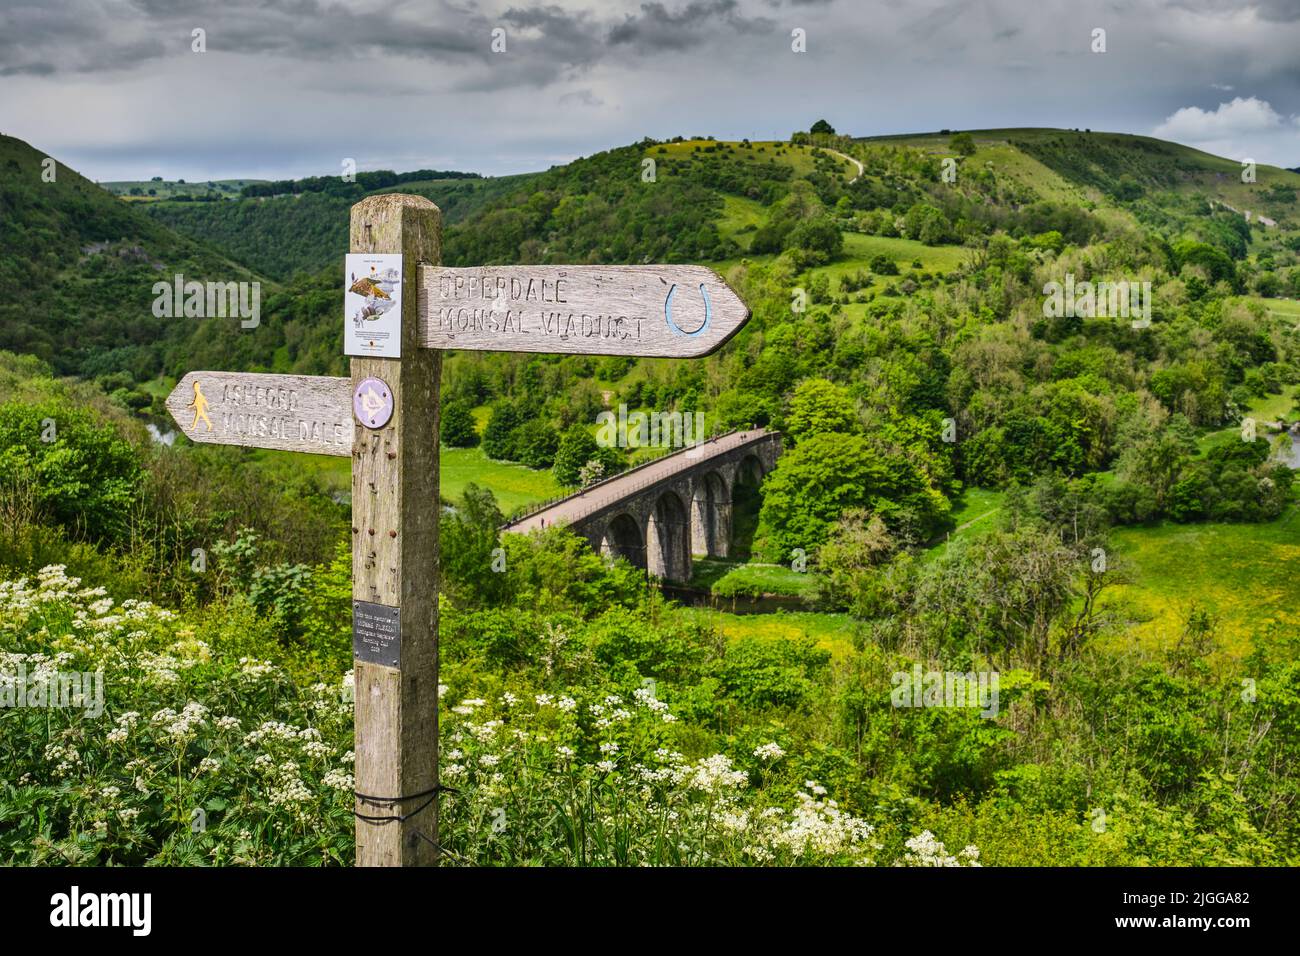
[1091, 508]
[281, 236]
[158, 189]
[86, 263]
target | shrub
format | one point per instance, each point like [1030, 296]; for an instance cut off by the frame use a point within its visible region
[457, 428]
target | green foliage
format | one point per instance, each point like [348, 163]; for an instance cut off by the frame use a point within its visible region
[593, 211]
[1216, 263]
[277, 592]
[456, 427]
[555, 570]
[467, 538]
[963, 144]
[71, 465]
[828, 473]
[577, 448]
[815, 241]
[926, 224]
[536, 443]
[499, 435]
[818, 406]
[87, 261]
[883, 265]
[772, 674]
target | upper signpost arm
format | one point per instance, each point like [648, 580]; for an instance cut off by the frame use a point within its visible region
[665, 311]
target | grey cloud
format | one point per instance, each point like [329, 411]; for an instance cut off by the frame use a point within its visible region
[65, 36]
[656, 29]
[585, 97]
[1275, 11]
[577, 75]
[82, 36]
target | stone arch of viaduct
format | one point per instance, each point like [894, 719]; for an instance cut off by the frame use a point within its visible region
[662, 519]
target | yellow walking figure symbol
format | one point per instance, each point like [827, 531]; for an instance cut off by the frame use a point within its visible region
[200, 406]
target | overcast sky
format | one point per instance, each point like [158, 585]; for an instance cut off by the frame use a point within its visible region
[292, 87]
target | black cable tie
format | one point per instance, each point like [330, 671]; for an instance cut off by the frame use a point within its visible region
[410, 796]
[431, 793]
[400, 818]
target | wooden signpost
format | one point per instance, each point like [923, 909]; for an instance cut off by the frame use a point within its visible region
[385, 416]
[288, 412]
[664, 311]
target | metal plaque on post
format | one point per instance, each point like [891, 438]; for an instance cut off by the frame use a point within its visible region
[376, 633]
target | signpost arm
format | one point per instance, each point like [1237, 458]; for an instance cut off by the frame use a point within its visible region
[395, 510]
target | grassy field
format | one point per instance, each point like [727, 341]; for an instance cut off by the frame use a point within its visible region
[514, 485]
[1244, 574]
[1272, 407]
[800, 158]
[170, 190]
[158, 387]
[739, 213]
[974, 511]
[1267, 409]
[859, 249]
[834, 632]
[1007, 161]
[1287, 309]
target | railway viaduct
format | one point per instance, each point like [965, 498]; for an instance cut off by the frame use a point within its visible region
[659, 514]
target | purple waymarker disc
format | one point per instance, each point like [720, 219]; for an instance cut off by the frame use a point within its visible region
[372, 403]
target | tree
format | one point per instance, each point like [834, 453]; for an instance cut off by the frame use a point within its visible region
[963, 144]
[535, 443]
[824, 475]
[466, 540]
[1217, 264]
[815, 241]
[457, 429]
[1000, 591]
[848, 563]
[1268, 284]
[577, 447]
[499, 436]
[882, 265]
[819, 406]
[821, 126]
[926, 224]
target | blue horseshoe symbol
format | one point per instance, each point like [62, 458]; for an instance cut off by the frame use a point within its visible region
[668, 313]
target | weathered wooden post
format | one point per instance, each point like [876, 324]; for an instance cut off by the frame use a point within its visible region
[395, 559]
[402, 313]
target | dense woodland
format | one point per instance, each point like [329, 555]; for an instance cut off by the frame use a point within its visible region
[900, 345]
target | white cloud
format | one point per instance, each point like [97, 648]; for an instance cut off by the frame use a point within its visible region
[1245, 127]
[1191, 123]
